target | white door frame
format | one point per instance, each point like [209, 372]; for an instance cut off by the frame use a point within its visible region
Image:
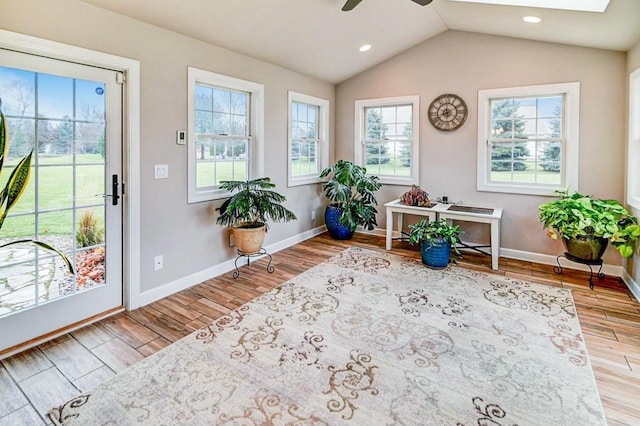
[131, 140]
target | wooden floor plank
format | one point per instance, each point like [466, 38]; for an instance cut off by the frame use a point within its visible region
[609, 316]
[12, 398]
[27, 364]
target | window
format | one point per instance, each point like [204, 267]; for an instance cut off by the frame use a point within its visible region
[225, 132]
[308, 138]
[528, 139]
[633, 174]
[387, 138]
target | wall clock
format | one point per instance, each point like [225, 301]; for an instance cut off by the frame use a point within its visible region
[447, 112]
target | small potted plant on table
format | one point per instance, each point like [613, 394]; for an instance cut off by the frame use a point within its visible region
[248, 210]
[353, 200]
[586, 225]
[436, 239]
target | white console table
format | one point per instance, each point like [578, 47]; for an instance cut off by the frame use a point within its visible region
[489, 216]
[400, 209]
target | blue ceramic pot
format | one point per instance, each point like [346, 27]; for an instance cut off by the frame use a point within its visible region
[337, 230]
[435, 253]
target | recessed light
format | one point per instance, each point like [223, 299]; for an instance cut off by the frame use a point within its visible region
[532, 19]
[365, 47]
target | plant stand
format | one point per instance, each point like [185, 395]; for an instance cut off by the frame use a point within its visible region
[589, 263]
[261, 252]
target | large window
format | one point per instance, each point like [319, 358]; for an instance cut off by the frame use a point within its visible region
[387, 138]
[308, 143]
[225, 132]
[633, 173]
[528, 139]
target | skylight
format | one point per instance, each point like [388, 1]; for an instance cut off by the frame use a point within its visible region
[581, 5]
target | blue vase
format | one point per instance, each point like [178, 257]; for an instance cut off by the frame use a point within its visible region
[435, 253]
[337, 230]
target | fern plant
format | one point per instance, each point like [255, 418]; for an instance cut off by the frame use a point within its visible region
[15, 187]
[254, 203]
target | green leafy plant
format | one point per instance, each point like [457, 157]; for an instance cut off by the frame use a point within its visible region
[15, 187]
[437, 230]
[581, 215]
[90, 232]
[254, 203]
[351, 189]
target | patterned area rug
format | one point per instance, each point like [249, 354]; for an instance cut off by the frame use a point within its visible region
[367, 338]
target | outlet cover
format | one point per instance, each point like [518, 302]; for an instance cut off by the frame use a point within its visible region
[157, 263]
[232, 240]
[313, 214]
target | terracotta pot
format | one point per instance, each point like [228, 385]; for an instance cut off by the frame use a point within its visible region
[249, 236]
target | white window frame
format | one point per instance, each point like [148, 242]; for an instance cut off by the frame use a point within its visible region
[633, 173]
[570, 149]
[360, 135]
[256, 128]
[323, 136]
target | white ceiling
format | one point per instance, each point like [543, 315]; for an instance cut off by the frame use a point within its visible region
[316, 38]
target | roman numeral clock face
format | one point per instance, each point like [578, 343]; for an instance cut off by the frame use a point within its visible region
[447, 112]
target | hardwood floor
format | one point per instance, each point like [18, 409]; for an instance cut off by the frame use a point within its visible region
[35, 380]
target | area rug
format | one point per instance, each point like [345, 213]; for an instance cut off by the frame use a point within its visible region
[367, 338]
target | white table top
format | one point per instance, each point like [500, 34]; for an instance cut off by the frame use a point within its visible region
[444, 209]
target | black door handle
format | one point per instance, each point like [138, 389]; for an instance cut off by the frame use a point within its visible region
[114, 190]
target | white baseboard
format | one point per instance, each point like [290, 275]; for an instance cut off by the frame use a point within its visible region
[376, 231]
[634, 287]
[173, 287]
[168, 289]
[545, 259]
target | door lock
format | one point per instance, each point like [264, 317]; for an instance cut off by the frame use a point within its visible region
[115, 190]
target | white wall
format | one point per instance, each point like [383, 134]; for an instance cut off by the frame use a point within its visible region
[633, 63]
[462, 63]
[185, 234]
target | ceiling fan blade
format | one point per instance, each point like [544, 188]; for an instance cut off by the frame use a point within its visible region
[350, 4]
[422, 2]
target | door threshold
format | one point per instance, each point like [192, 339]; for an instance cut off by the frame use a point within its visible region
[59, 332]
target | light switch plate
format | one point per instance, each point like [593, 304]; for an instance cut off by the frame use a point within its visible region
[161, 171]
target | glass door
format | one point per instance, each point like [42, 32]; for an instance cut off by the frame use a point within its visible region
[70, 117]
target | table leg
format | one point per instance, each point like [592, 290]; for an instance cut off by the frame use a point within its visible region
[400, 223]
[495, 244]
[389, 228]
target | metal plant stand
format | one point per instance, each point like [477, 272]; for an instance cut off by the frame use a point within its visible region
[589, 263]
[262, 252]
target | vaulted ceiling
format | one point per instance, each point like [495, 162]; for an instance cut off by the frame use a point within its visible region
[316, 38]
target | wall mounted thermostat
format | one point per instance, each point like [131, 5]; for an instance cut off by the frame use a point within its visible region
[181, 137]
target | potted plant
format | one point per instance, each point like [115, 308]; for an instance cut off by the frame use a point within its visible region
[436, 239]
[416, 196]
[352, 195]
[14, 188]
[586, 225]
[248, 210]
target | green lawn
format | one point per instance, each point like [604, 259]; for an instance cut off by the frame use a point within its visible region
[56, 192]
[528, 175]
[213, 172]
